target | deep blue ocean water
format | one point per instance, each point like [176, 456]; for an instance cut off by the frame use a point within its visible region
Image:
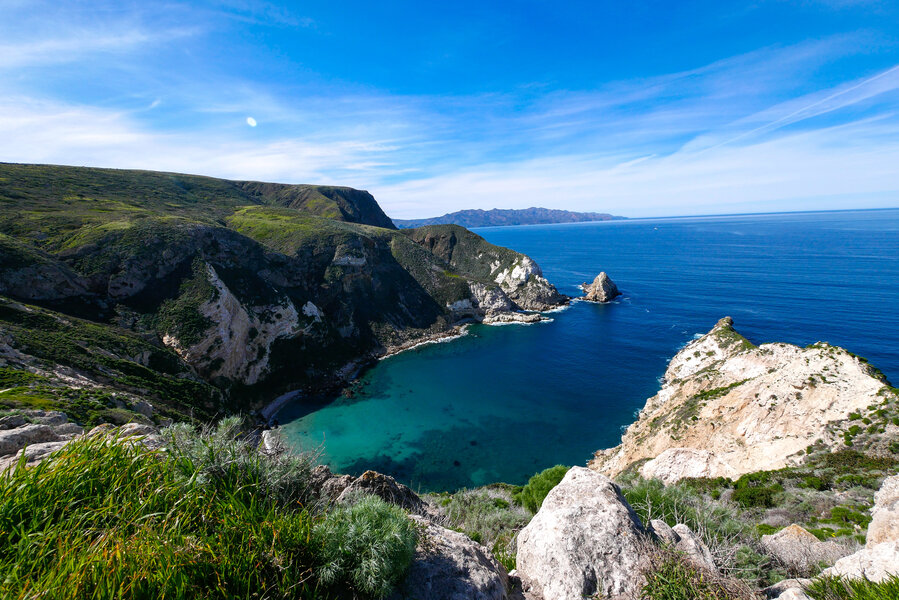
[504, 402]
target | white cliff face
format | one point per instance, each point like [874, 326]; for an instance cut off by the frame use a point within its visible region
[525, 285]
[490, 300]
[238, 344]
[727, 408]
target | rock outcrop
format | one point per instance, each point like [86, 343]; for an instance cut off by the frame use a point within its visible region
[728, 407]
[603, 289]
[585, 540]
[880, 557]
[800, 551]
[682, 539]
[450, 566]
[884, 526]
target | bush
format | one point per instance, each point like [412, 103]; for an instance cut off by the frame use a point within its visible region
[532, 495]
[366, 546]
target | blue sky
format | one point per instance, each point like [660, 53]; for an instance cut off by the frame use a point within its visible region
[635, 108]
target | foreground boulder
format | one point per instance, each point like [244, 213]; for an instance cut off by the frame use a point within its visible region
[682, 539]
[880, 558]
[386, 488]
[884, 526]
[800, 551]
[603, 289]
[450, 566]
[584, 541]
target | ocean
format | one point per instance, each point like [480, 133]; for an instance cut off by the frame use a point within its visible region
[501, 403]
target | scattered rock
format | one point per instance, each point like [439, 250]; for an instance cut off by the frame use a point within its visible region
[13, 440]
[675, 464]
[513, 317]
[49, 417]
[144, 408]
[136, 429]
[585, 540]
[800, 551]
[875, 563]
[12, 421]
[386, 488]
[884, 526]
[603, 289]
[449, 566]
[779, 589]
[682, 539]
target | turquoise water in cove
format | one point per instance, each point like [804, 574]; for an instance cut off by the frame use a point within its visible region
[504, 402]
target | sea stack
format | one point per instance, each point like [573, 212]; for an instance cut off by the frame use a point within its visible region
[603, 289]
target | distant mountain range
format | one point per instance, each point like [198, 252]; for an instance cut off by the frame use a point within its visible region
[499, 217]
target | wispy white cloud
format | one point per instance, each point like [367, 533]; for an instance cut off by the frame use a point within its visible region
[748, 132]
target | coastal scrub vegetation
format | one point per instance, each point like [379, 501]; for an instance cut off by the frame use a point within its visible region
[532, 495]
[211, 517]
[671, 576]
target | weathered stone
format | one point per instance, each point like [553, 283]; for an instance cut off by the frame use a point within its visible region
[33, 453]
[384, 487]
[884, 526]
[693, 547]
[49, 417]
[875, 563]
[450, 566]
[136, 429]
[682, 539]
[788, 589]
[11, 422]
[68, 429]
[800, 551]
[584, 540]
[144, 408]
[603, 289]
[675, 464]
[13, 440]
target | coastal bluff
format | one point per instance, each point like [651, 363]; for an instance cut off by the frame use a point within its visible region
[728, 407]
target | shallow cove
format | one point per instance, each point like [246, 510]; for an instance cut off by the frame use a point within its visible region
[503, 402]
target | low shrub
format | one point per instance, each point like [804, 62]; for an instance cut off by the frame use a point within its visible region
[532, 495]
[366, 546]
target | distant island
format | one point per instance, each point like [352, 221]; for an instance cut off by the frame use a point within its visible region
[499, 217]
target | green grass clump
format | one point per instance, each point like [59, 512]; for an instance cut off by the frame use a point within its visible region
[670, 576]
[532, 495]
[366, 546]
[111, 520]
[210, 517]
[836, 588]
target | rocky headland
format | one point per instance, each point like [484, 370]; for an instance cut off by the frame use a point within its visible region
[728, 407]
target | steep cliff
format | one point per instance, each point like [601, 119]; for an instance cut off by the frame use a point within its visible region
[257, 288]
[728, 407]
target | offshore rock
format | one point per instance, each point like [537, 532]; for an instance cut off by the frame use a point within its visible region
[450, 566]
[603, 289]
[585, 540]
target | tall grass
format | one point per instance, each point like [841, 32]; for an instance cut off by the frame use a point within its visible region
[837, 588]
[210, 517]
[110, 520]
